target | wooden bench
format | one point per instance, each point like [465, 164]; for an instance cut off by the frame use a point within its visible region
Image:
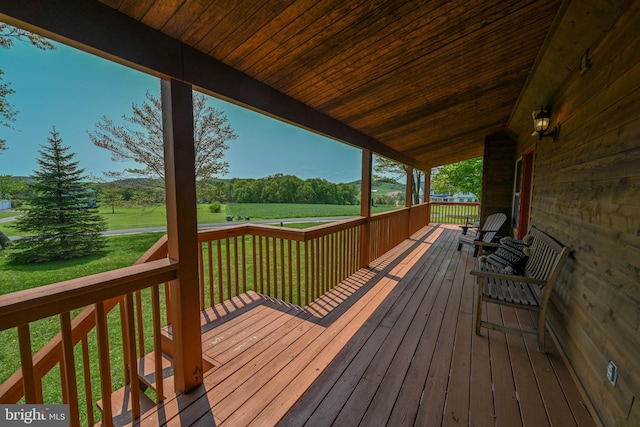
[530, 290]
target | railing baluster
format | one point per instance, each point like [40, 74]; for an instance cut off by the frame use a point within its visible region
[322, 267]
[123, 332]
[236, 264]
[244, 265]
[220, 292]
[255, 265]
[157, 343]
[70, 384]
[268, 262]
[331, 261]
[282, 272]
[228, 264]
[130, 350]
[298, 271]
[212, 300]
[26, 361]
[167, 302]
[314, 274]
[307, 262]
[138, 300]
[290, 267]
[104, 364]
[88, 393]
[261, 264]
[201, 276]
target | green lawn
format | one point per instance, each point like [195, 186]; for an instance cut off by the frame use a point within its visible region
[7, 214]
[124, 218]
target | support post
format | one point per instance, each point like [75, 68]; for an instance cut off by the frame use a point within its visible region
[365, 205]
[426, 190]
[182, 230]
[408, 200]
[408, 195]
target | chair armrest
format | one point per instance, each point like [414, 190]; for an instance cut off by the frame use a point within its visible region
[465, 228]
[511, 277]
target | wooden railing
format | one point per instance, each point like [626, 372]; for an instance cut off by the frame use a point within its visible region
[101, 292]
[453, 212]
[123, 311]
[108, 300]
[293, 265]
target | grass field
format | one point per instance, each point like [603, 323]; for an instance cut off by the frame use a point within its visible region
[125, 218]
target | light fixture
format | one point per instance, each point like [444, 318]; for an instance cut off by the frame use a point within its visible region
[541, 121]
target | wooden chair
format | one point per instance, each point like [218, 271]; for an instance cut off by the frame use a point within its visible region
[484, 234]
[530, 290]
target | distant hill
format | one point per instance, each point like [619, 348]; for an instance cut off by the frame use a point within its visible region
[384, 187]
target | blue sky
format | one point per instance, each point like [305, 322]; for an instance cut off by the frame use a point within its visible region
[72, 90]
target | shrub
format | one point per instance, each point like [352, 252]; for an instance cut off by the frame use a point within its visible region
[215, 207]
[5, 242]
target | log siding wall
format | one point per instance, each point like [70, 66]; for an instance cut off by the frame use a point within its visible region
[585, 193]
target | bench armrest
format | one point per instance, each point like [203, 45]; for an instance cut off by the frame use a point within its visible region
[511, 277]
[490, 244]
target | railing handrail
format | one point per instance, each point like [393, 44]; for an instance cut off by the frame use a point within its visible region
[295, 234]
[456, 203]
[381, 215]
[29, 305]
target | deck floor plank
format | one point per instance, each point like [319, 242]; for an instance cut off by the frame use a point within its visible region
[533, 413]
[382, 404]
[384, 345]
[392, 345]
[456, 411]
[432, 405]
[507, 410]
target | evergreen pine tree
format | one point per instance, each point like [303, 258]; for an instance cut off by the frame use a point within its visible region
[60, 221]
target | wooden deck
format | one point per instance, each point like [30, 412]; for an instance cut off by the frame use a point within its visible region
[393, 345]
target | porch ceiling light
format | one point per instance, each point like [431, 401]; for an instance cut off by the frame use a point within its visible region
[541, 121]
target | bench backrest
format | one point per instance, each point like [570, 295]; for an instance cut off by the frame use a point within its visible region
[546, 259]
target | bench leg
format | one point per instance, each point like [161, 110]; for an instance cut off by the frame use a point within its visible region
[479, 306]
[459, 246]
[541, 329]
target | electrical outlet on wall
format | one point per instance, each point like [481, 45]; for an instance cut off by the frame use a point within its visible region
[612, 373]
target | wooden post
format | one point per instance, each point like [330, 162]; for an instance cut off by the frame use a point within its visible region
[365, 205]
[426, 190]
[408, 200]
[408, 195]
[182, 229]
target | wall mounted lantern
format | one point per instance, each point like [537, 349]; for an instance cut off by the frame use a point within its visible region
[541, 122]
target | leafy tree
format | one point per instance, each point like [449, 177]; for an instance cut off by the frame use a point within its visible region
[382, 165]
[8, 36]
[464, 177]
[59, 223]
[210, 190]
[144, 142]
[112, 195]
[281, 188]
[10, 185]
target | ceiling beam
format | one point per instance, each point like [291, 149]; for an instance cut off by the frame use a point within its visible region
[103, 31]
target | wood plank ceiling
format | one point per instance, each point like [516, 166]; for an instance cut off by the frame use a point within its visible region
[429, 79]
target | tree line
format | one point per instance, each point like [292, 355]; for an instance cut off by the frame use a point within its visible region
[281, 188]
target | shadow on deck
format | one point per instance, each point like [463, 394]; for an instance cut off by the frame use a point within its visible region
[392, 345]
